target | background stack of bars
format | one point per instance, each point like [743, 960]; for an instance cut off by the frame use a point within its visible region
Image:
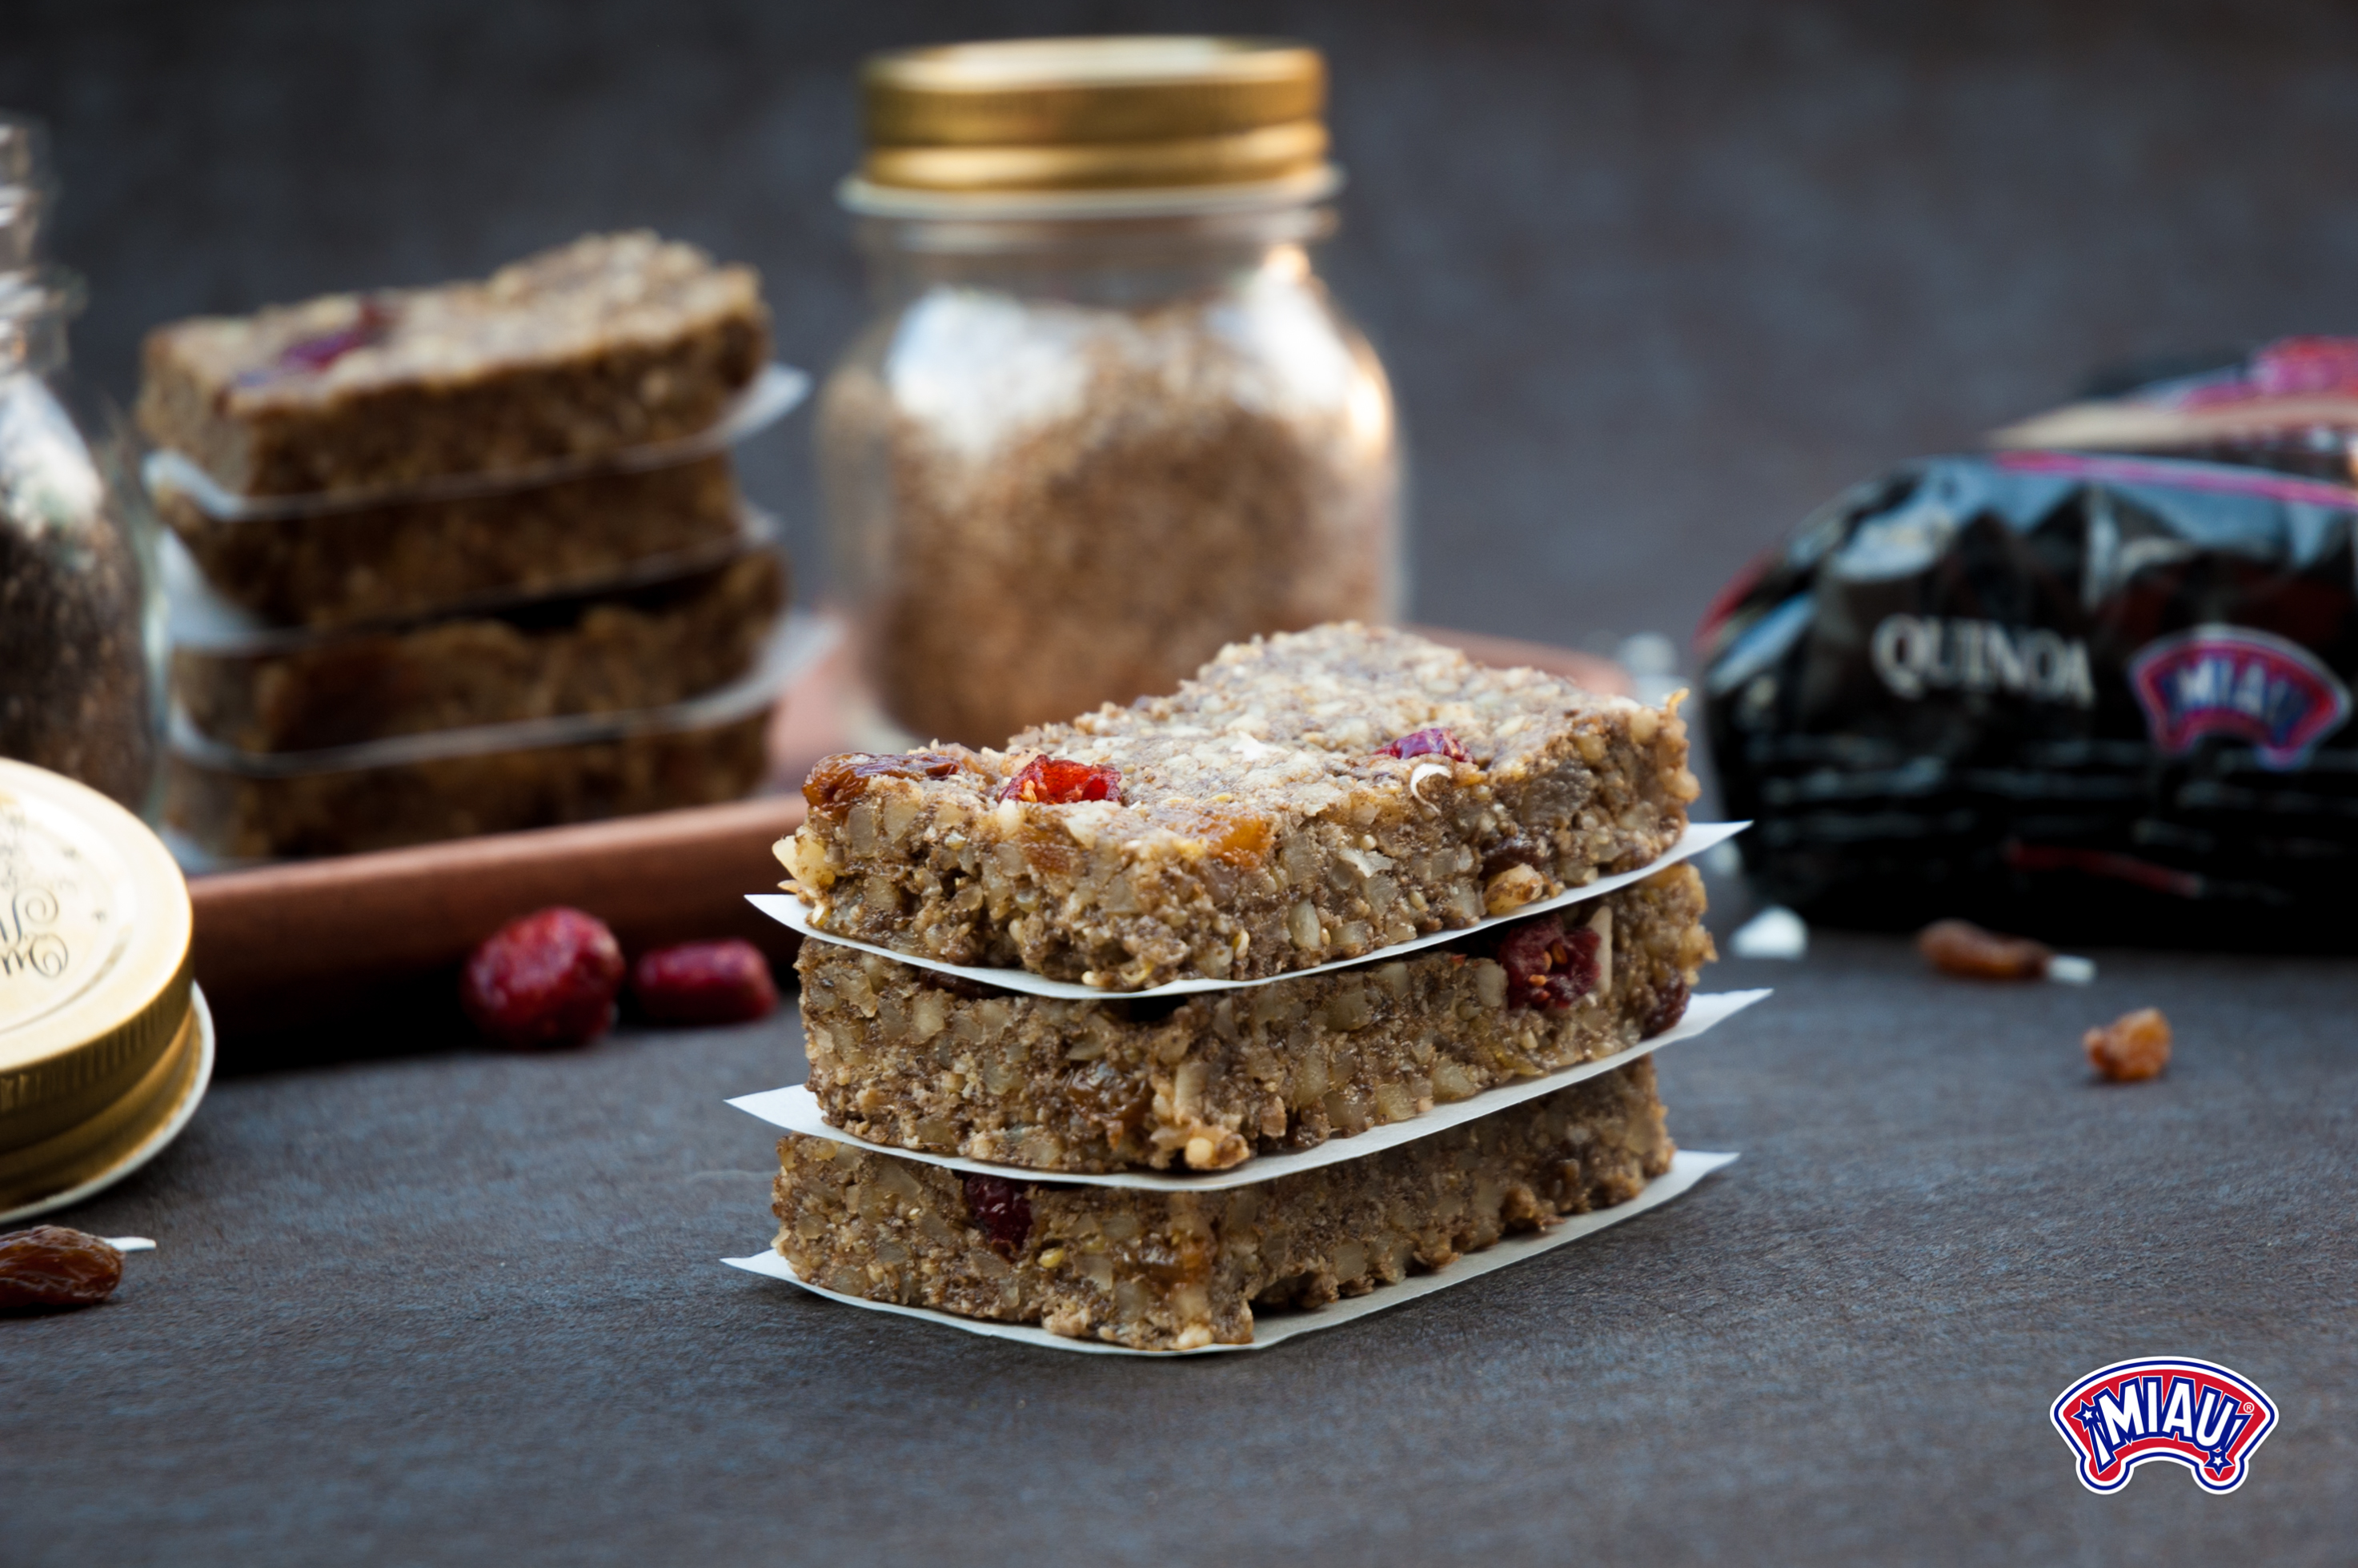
[466, 559]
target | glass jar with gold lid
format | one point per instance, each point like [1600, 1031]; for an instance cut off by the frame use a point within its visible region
[1106, 416]
[105, 1046]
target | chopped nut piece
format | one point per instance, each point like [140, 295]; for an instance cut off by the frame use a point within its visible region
[1513, 888]
[1961, 947]
[2131, 1048]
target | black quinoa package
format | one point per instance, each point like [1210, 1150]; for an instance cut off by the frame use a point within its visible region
[2086, 698]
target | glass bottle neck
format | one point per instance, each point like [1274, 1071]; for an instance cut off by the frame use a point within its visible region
[1113, 263]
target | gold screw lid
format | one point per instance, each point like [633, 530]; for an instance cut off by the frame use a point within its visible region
[95, 925]
[1095, 114]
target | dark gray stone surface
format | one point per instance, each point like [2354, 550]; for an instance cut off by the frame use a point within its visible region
[467, 1308]
[1653, 279]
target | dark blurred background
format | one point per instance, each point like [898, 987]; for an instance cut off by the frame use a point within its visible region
[1653, 278]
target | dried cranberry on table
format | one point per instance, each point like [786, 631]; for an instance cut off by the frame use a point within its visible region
[1434, 743]
[1961, 947]
[1548, 967]
[2131, 1048]
[1060, 781]
[704, 983]
[55, 1266]
[999, 1207]
[545, 981]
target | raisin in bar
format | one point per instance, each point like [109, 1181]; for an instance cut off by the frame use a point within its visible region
[649, 649]
[1172, 1270]
[914, 1059]
[417, 557]
[613, 341]
[1306, 798]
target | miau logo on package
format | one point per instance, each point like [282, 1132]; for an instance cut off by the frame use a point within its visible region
[2232, 680]
[2194, 1413]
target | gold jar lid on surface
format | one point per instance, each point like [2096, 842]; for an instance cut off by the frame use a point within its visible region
[104, 1044]
[1093, 126]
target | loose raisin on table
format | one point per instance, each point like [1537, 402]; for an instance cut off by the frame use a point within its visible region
[1961, 947]
[1434, 743]
[546, 981]
[53, 1266]
[999, 1207]
[705, 983]
[1060, 781]
[2131, 1048]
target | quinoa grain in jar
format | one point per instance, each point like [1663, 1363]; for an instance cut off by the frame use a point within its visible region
[1107, 418]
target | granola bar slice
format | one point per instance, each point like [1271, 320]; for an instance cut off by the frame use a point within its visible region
[607, 654]
[1308, 797]
[1159, 1270]
[612, 341]
[238, 816]
[914, 1059]
[417, 557]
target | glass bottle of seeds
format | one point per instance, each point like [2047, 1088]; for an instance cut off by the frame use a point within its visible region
[80, 622]
[1106, 418]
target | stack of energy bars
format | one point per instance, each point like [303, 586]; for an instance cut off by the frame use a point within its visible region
[465, 558]
[1334, 885]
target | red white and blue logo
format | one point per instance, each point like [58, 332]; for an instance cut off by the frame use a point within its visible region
[2232, 680]
[2194, 1413]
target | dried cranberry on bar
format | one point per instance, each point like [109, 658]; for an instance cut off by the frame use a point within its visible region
[1059, 780]
[999, 1208]
[1434, 743]
[369, 325]
[1548, 967]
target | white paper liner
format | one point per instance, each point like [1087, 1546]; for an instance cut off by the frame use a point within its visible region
[204, 621]
[800, 641]
[773, 394]
[1687, 1167]
[796, 1110]
[788, 910]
